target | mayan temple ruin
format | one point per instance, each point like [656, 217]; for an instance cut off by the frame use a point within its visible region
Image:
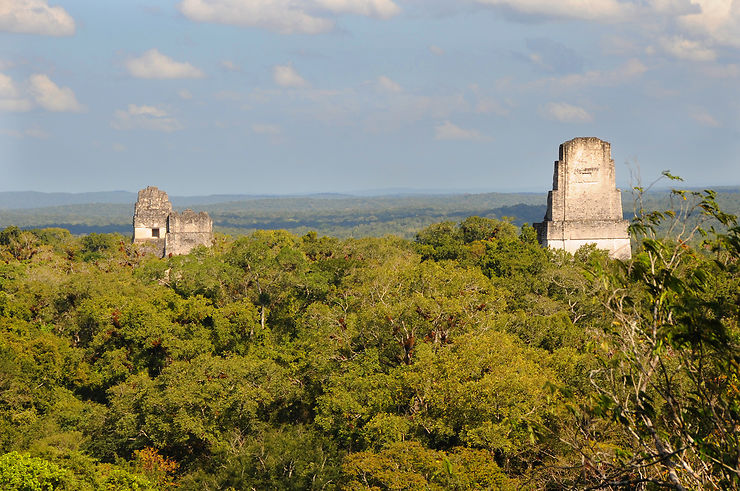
[584, 206]
[167, 232]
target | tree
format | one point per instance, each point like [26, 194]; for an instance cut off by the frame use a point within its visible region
[409, 466]
[196, 407]
[25, 473]
[270, 265]
[669, 361]
[18, 244]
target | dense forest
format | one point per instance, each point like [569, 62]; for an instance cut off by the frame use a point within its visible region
[467, 357]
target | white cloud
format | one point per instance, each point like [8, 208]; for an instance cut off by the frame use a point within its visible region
[385, 83]
[7, 87]
[383, 9]
[284, 16]
[627, 72]
[672, 7]
[696, 27]
[51, 97]
[146, 118]
[702, 116]
[229, 65]
[450, 131]
[687, 49]
[565, 113]
[718, 20]
[436, 50]
[153, 64]
[42, 90]
[607, 11]
[266, 129]
[598, 10]
[185, 94]
[287, 76]
[35, 17]
[15, 105]
[10, 97]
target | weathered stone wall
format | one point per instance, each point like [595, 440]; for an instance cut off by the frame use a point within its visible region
[188, 230]
[584, 206]
[583, 185]
[150, 214]
[164, 232]
[610, 235]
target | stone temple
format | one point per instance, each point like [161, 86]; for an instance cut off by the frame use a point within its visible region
[167, 232]
[584, 206]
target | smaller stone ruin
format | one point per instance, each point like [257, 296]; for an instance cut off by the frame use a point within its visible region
[188, 230]
[166, 232]
[584, 206]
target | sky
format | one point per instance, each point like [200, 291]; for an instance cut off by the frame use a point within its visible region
[307, 96]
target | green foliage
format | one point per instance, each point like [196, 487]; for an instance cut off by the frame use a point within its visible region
[291, 457]
[92, 243]
[669, 361]
[485, 391]
[409, 465]
[26, 473]
[18, 244]
[469, 358]
[196, 406]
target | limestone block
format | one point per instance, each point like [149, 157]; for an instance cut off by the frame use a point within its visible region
[584, 206]
[188, 230]
[165, 232]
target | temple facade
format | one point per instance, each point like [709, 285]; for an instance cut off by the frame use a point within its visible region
[168, 232]
[584, 206]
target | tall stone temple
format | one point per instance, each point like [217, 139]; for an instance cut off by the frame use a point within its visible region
[168, 232]
[584, 206]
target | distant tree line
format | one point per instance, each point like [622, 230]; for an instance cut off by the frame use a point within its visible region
[339, 217]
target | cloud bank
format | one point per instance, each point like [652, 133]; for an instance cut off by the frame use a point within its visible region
[565, 113]
[286, 76]
[450, 131]
[388, 85]
[35, 17]
[150, 118]
[10, 97]
[155, 65]
[51, 97]
[284, 16]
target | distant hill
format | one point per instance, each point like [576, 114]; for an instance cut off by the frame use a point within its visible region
[328, 214]
[21, 200]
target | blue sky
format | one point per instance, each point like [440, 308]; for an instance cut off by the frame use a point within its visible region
[289, 96]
